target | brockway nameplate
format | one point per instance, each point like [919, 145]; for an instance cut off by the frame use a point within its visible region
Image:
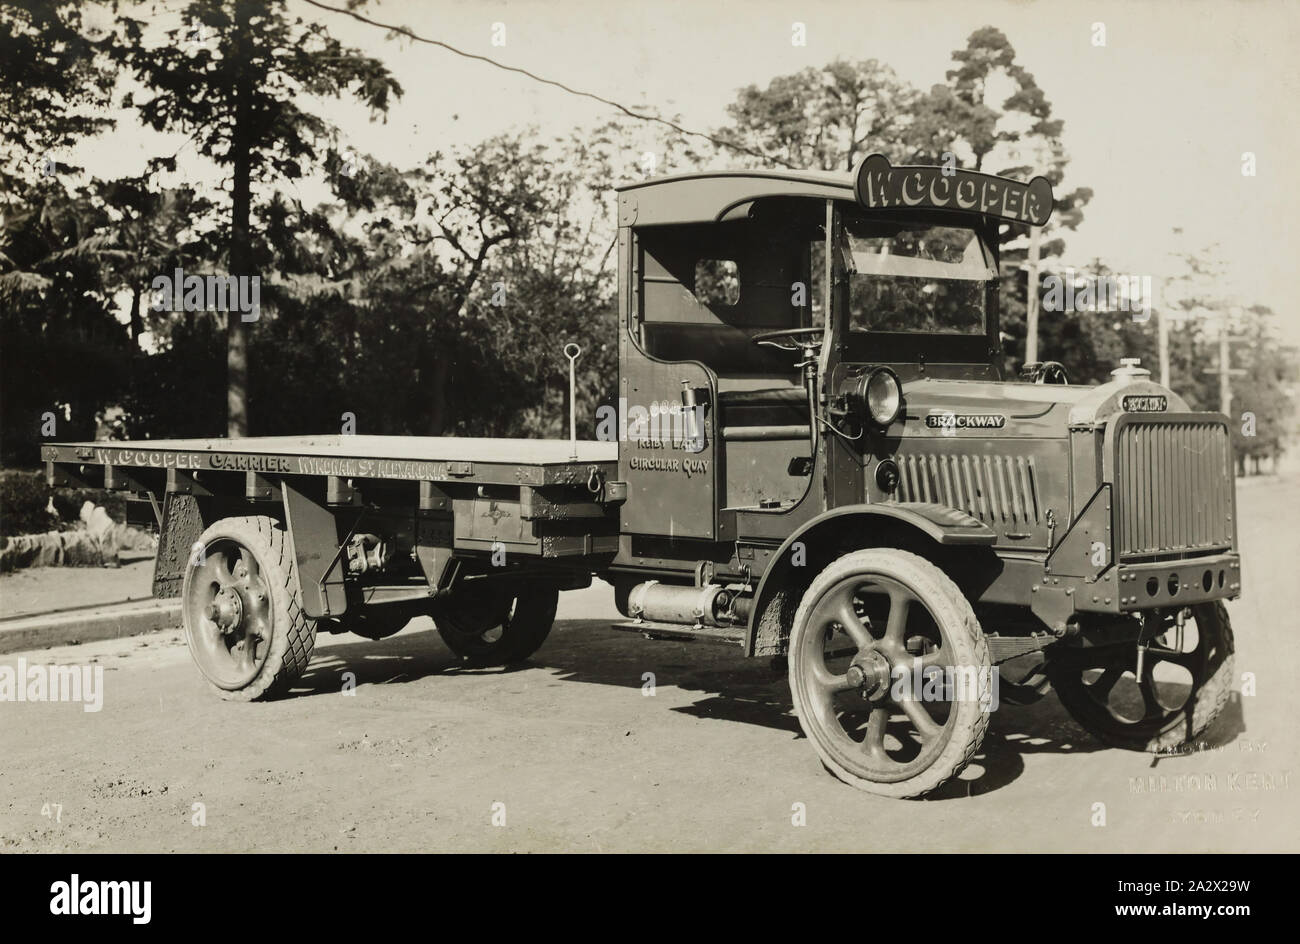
[1145, 404]
[966, 420]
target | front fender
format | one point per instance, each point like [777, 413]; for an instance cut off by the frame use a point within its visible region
[939, 523]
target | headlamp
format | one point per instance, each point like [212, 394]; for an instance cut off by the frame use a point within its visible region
[883, 396]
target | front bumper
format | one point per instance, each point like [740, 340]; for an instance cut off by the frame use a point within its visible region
[1179, 583]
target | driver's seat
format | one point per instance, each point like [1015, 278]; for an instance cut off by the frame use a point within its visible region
[774, 406]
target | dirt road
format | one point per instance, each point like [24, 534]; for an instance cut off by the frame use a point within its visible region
[585, 755]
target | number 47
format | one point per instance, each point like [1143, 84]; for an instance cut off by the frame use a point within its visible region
[53, 809]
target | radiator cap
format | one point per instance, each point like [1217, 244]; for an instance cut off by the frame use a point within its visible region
[1129, 371]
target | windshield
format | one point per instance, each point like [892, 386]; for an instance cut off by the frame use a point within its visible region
[916, 277]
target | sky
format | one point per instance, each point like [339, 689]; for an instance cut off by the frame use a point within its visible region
[1156, 121]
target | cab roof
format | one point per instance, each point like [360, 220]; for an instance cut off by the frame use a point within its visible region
[714, 195]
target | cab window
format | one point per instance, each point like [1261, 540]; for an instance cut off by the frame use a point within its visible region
[717, 282]
[916, 278]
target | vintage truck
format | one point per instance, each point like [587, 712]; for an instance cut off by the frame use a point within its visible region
[815, 455]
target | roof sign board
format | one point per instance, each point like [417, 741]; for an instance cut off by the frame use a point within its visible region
[877, 185]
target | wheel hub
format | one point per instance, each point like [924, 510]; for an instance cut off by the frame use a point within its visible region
[226, 610]
[870, 674]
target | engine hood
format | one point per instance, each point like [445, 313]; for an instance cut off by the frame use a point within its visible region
[984, 408]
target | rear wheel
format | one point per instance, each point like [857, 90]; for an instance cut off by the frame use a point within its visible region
[868, 626]
[1183, 684]
[242, 610]
[491, 624]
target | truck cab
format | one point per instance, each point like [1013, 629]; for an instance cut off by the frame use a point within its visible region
[724, 289]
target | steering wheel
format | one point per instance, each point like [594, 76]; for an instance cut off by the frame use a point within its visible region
[1044, 372]
[1052, 372]
[787, 339]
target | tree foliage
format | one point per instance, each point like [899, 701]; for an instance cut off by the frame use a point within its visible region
[824, 118]
[239, 96]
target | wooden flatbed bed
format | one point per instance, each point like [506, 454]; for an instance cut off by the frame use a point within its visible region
[410, 458]
[439, 498]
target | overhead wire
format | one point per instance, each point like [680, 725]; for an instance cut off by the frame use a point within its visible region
[403, 31]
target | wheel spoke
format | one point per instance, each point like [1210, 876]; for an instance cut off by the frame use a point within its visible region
[826, 681]
[900, 604]
[1106, 682]
[257, 626]
[205, 574]
[216, 569]
[1187, 660]
[851, 623]
[920, 717]
[1151, 704]
[936, 657]
[874, 741]
[250, 564]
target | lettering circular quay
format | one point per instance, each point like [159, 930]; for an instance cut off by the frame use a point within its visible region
[656, 464]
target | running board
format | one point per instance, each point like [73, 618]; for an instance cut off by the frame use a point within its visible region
[681, 632]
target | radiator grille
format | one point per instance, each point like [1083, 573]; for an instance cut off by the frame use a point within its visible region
[1173, 488]
[998, 490]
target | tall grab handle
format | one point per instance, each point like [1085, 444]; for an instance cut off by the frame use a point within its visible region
[573, 352]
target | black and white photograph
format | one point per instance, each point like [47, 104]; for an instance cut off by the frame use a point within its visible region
[794, 426]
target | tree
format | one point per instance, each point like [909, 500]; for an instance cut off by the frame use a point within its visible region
[531, 253]
[1263, 410]
[991, 111]
[152, 231]
[824, 118]
[239, 97]
[437, 300]
[959, 116]
[63, 350]
[53, 79]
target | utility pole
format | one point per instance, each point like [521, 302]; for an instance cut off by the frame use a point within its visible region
[1031, 298]
[1225, 370]
[1162, 337]
[1225, 373]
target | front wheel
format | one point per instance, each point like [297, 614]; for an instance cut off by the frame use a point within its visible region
[242, 609]
[890, 673]
[1181, 687]
[489, 624]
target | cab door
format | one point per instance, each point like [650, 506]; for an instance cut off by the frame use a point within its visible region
[669, 457]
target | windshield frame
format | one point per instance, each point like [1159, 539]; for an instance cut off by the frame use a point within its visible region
[876, 346]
